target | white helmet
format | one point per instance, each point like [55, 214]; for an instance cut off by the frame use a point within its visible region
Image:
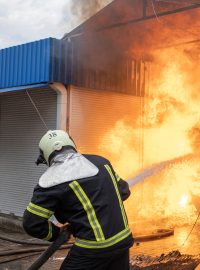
[54, 140]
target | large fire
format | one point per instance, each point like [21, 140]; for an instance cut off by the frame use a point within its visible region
[167, 129]
[183, 201]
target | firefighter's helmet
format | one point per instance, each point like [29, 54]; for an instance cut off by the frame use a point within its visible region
[54, 140]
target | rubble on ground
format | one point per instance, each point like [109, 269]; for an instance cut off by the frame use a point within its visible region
[171, 261]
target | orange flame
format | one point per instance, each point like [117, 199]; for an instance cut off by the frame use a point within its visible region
[183, 201]
[164, 129]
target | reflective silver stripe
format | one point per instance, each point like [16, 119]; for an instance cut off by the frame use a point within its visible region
[85, 201]
[39, 211]
[118, 195]
[105, 243]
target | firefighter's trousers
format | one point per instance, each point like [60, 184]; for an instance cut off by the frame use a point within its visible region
[116, 261]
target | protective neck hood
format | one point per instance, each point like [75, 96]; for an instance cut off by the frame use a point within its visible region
[67, 166]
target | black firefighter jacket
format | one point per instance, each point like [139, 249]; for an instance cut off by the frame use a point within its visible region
[93, 206]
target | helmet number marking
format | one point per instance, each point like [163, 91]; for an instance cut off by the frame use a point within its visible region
[52, 135]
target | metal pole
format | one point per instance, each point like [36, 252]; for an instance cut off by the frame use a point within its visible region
[121, 24]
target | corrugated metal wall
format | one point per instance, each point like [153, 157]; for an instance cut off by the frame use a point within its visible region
[60, 69]
[94, 114]
[97, 65]
[20, 132]
[33, 63]
[80, 62]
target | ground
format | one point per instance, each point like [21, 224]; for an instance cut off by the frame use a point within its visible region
[171, 261]
[140, 259]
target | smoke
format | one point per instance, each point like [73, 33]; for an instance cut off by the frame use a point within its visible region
[84, 9]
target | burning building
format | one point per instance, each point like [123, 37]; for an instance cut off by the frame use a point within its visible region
[127, 87]
[134, 95]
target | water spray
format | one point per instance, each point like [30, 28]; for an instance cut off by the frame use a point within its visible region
[155, 169]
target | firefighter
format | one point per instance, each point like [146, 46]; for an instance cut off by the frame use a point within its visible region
[84, 191]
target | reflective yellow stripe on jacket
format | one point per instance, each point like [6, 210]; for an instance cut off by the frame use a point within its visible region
[117, 177]
[105, 243]
[49, 235]
[39, 211]
[85, 201]
[118, 195]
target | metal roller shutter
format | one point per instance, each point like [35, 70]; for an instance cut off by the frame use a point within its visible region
[20, 131]
[93, 113]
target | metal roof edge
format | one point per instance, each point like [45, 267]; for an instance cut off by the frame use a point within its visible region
[26, 43]
[10, 89]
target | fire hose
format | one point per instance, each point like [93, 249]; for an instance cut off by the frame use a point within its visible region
[53, 247]
[60, 240]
